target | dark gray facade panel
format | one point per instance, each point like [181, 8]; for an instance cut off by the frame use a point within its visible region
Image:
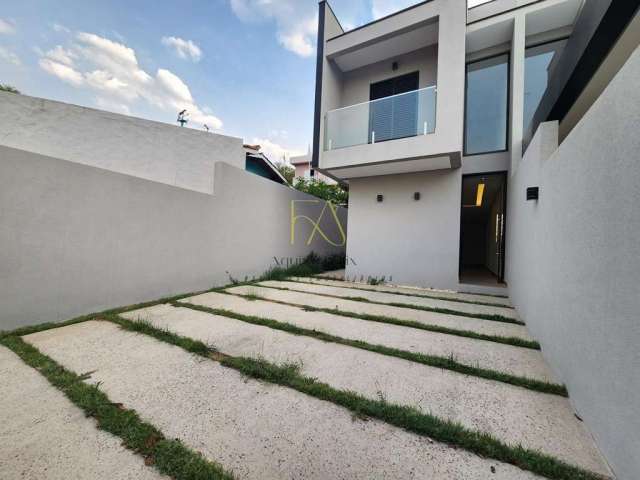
[600, 24]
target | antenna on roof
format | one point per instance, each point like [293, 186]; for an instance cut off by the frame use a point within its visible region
[183, 117]
[206, 127]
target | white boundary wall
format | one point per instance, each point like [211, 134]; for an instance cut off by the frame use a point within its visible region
[76, 239]
[573, 262]
[183, 157]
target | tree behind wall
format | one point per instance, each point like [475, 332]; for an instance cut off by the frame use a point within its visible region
[336, 194]
[8, 88]
[287, 171]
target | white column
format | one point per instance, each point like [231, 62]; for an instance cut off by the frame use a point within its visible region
[517, 89]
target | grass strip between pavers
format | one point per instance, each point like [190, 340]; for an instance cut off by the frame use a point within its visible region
[169, 457]
[430, 360]
[447, 311]
[407, 418]
[342, 279]
[513, 341]
[310, 265]
[433, 296]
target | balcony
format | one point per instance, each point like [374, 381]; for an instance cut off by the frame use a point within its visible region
[399, 116]
[390, 94]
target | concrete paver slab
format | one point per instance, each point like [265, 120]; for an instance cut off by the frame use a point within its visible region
[467, 297]
[255, 429]
[514, 415]
[45, 436]
[459, 322]
[523, 362]
[339, 274]
[383, 297]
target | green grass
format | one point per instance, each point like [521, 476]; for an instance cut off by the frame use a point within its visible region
[311, 265]
[405, 294]
[431, 360]
[407, 418]
[311, 262]
[514, 341]
[480, 316]
[168, 456]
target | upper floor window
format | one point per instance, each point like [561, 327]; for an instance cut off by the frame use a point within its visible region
[394, 111]
[536, 75]
[487, 105]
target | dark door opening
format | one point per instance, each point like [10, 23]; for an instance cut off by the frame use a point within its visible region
[482, 228]
[395, 117]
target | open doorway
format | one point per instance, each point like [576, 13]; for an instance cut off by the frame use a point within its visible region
[482, 228]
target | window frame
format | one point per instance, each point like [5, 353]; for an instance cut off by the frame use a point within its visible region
[527, 48]
[508, 115]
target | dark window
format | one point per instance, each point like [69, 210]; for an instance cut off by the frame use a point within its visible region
[538, 61]
[397, 116]
[487, 104]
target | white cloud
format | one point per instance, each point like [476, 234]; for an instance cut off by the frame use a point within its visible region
[382, 8]
[112, 106]
[9, 57]
[63, 72]
[60, 55]
[60, 28]
[276, 152]
[111, 69]
[7, 27]
[296, 21]
[185, 49]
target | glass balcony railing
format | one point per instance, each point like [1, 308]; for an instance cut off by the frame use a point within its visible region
[399, 116]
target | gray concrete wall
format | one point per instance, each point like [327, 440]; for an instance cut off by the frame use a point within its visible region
[485, 163]
[573, 262]
[356, 83]
[450, 82]
[76, 239]
[415, 242]
[156, 151]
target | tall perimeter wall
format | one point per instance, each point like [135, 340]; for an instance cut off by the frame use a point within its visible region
[573, 262]
[76, 238]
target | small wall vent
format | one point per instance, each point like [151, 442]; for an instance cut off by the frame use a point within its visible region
[379, 198]
[533, 193]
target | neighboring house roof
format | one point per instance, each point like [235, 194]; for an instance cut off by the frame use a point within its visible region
[302, 159]
[258, 163]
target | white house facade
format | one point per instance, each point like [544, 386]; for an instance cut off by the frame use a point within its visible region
[425, 114]
[495, 150]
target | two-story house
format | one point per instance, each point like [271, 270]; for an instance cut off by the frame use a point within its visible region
[425, 113]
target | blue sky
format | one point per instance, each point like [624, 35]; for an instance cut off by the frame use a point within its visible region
[243, 67]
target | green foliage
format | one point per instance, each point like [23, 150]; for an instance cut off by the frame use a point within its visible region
[336, 194]
[482, 316]
[312, 264]
[170, 457]
[8, 88]
[287, 171]
[430, 360]
[406, 417]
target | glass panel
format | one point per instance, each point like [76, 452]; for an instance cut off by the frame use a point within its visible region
[475, 3]
[486, 105]
[538, 61]
[404, 115]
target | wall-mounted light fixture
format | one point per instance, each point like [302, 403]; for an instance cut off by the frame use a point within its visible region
[533, 193]
[379, 198]
[480, 194]
[416, 196]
